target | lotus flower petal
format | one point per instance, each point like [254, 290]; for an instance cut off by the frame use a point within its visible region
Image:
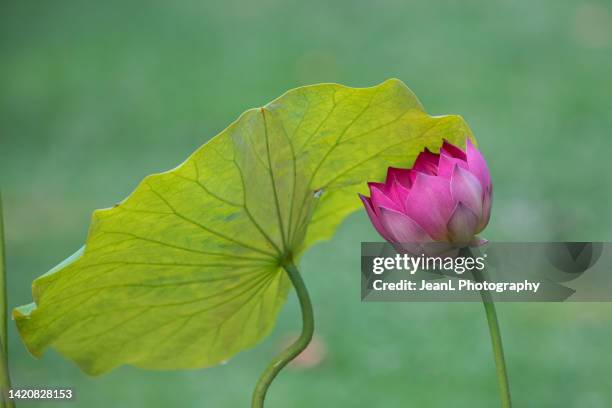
[402, 228]
[478, 165]
[426, 162]
[462, 224]
[466, 189]
[430, 204]
[400, 194]
[374, 218]
[478, 241]
[382, 196]
[453, 151]
[487, 201]
[402, 176]
[447, 165]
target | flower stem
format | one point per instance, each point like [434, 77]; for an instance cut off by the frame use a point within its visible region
[5, 380]
[496, 342]
[297, 347]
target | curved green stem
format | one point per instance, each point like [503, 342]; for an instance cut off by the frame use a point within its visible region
[496, 342]
[5, 380]
[297, 347]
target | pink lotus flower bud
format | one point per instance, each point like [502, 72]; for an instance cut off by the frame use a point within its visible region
[445, 197]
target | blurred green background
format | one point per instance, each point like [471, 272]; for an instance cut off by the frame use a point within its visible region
[96, 95]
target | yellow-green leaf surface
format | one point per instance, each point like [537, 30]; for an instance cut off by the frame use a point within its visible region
[184, 273]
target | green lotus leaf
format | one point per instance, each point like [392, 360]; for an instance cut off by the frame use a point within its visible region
[185, 272]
